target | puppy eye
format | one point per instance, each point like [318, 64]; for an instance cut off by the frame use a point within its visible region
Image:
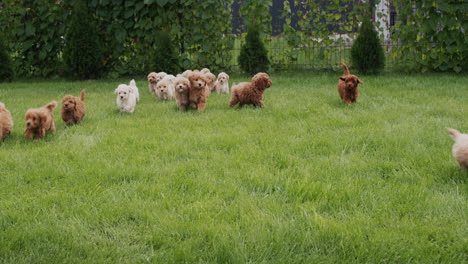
[70, 101]
[125, 92]
[34, 119]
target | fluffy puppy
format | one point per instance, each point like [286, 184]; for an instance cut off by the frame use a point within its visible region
[165, 90]
[198, 92]
[182, 86]
[187, 73]
[460, 148]
[211, 78]
[73, 108]
[205, 70]
[222, 83]
[134, 90]
[348, 86]
[40, 120]
[6, 121]
[126, 98]
[152, 81]
[250, 92]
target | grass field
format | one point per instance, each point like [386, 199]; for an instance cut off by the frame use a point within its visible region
[304, 180]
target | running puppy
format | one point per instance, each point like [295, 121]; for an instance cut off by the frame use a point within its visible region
[6, 121]
[250, 92]
[73, 108]
[348, 86]
[460, 148]
[39, 121]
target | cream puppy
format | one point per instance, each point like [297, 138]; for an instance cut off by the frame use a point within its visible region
[134, 89]
[6, 121]
[165, 88]
[222, 83]
[460, 148]
[126, 98]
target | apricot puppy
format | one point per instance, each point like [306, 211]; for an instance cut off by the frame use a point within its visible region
[40, 120]
[348, 86]
[6, 121]
[73, 108]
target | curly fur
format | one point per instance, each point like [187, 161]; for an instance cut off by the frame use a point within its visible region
[250, 92]
[211, 81]
[39, 121]
[205, 70]
[348, 86]
[222, 83]
[73, 108]
[460, 148]
[6, 121]
[182, 86]
[165, 88]
[126, 98]
[198, 92]
[152, 82]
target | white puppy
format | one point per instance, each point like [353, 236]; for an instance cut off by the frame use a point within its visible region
[165, 88]
[126, 98]
[460, 148]
[222, 83]
[134, 89]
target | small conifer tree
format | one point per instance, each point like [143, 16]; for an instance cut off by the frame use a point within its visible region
[6, 72]
[83, 53]
[166, 58]
[253, 56]
[367, 54]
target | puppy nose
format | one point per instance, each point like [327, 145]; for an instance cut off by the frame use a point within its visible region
[66, 105]
[28, 124]
[121, 97]
[199, 84]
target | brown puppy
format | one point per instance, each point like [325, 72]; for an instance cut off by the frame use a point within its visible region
[348, 86]
[40, 120]
[198, 92]
[250, 92]
[73, 108]
[182, 85]
[152, 81]
[6, 121]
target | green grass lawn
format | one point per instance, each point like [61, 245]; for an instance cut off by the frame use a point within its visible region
[305, 180]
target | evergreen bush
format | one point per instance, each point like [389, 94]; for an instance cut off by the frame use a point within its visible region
[6, 72]
[166, 58]
[253, 56]
[367, 54]
[83, 53]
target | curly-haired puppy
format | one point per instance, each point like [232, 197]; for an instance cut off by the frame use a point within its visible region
[182, 85]
[40, 120]
[126, 98]
[250, 92]
[211, 78]
[73, 108]
[460, 148]
[222, 83]
[187, 73]
[165, 89]
[6, 121]
[152, 82]
[205, 70]
[348, 86]
[198, 92]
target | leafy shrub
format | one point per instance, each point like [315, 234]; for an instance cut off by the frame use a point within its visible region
[83, 53]
[166, 58]
[367, 54]
[6, 72]
[253, 56]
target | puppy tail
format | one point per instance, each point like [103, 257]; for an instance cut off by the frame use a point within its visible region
[51, 106]
[345, 69]
[2, 105]
[453, 132]
[132, 83]
[82, 95]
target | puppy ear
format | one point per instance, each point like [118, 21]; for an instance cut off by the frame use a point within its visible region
[343, 78]
[359, 80]
[116, 91]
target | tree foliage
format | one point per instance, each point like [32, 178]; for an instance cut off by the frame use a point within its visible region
[432, 34]
[166, 58]
[367, 54]
[253, 56]
[83, 53]
[6, 71]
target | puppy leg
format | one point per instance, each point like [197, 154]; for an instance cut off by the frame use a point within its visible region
[201, 105]
[233, 101]
[52, 127]
[28, 133]
[193, 105]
